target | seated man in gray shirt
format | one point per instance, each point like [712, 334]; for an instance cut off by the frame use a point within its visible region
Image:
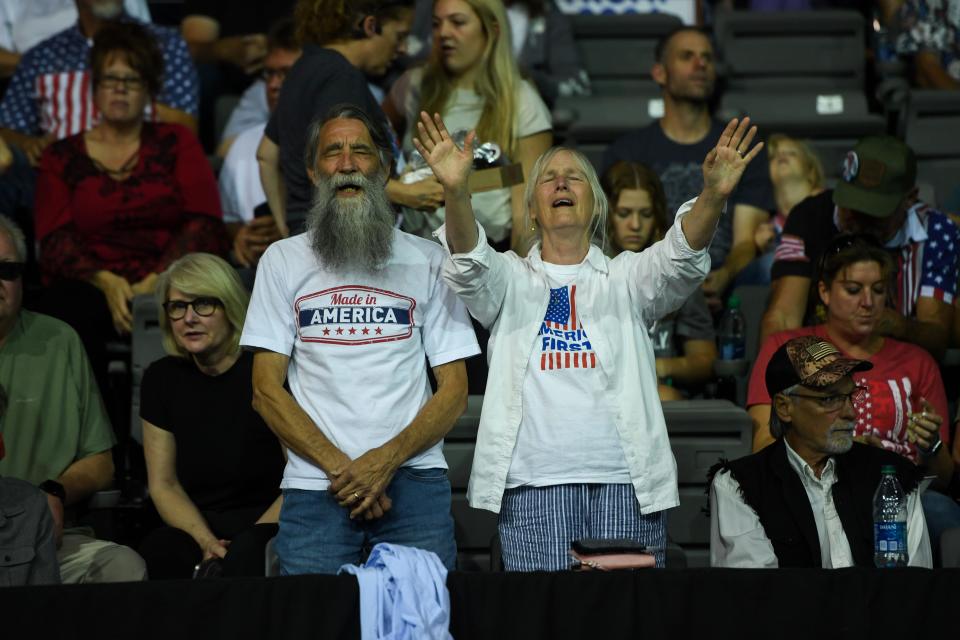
[28, 550]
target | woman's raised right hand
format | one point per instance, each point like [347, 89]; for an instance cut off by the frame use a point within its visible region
[450, 164]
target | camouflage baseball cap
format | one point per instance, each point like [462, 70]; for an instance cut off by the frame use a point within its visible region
[810, 361]
[877, 174]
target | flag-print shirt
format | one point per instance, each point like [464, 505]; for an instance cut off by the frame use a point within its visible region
[567, 434]
[617, 301]
[902, 374]
[51, 90]
[926, 248]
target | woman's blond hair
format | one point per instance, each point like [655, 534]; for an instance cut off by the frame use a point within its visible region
[203, 274]
[812, 167]
[497, 82]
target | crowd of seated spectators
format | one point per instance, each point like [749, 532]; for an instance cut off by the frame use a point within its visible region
[114, 184]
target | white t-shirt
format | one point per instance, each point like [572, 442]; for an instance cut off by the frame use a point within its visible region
[492, 208]
[567, 433]
[357, 343]
[239, 180]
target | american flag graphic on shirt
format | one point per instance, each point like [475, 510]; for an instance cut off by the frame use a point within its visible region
[928, 269]
[51, 90]
[563, 342]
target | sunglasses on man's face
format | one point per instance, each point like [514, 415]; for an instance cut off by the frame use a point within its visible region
[11, 270]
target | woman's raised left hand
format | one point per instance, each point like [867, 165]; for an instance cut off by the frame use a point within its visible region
[726, 162]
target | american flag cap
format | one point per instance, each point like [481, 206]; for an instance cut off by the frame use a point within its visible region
[877, 175]
[810, 361]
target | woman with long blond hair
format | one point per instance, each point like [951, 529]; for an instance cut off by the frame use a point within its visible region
[472, 80]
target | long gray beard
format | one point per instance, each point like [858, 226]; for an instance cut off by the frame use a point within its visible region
[351, 232]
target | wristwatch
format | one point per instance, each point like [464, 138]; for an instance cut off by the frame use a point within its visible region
[54, 488]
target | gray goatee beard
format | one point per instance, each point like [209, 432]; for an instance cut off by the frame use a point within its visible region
[352, 232]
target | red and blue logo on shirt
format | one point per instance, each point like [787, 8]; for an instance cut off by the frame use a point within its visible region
[354, 315]
[563, 341]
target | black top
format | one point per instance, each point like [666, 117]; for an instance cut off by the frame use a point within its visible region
[227, 457]
[809, 231]
[320, 79]
[680, 169]
[811, 223]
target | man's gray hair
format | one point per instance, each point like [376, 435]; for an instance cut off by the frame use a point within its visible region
[10, 227]
[377, 133]
[778, 428]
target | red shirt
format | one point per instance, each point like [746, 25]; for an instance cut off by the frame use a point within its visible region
[902, 374]
[87, 221]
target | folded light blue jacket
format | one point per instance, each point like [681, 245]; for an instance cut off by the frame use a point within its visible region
[403, 594]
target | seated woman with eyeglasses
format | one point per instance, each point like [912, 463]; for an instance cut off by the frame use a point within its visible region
[213, 466]
[901, 403]
[117, 203]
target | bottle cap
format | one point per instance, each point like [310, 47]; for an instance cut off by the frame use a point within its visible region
[733, 302]
[888, 470]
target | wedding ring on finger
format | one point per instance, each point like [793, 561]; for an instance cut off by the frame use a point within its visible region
[357, 496]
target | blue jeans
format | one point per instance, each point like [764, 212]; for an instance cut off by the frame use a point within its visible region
[941, 512]
[318, 536]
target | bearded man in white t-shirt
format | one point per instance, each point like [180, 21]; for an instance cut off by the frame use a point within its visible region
[345, 313]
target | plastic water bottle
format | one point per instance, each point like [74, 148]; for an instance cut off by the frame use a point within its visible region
[733, 332]
[889, 521]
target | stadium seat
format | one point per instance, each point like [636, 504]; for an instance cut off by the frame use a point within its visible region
[617, 50]
[474, 528]
[800, 73]
[271, 561]
[950, 549]
[932, 129]
[818, 50]
[753, 303]
[702, 432]
[617, 53]
[147, 347]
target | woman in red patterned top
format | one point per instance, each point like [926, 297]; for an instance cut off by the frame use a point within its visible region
[118, 203]
[904, 403]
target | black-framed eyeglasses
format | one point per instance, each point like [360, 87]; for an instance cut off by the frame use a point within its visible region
[11, 270]
[130, 83]
[835, 401]
[203, 306]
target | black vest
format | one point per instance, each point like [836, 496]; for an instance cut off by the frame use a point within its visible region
[772, 488]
